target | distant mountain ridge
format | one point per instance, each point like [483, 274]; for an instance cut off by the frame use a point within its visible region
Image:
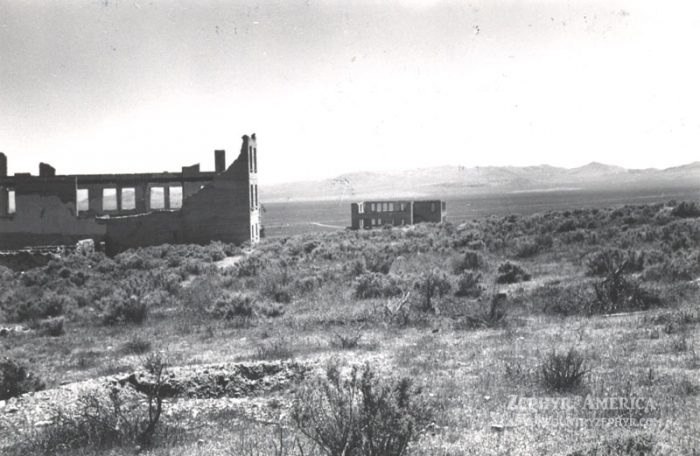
[443, 181]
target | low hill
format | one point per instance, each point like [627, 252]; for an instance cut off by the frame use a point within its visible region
[458, 180]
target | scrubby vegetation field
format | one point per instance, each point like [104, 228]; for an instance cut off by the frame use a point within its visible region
[571, 332]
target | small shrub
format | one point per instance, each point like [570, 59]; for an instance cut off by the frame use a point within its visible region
[307, 284]
[609, 261]
[469, 285]
[674, 268]
[570, 299]
[617, 293]
[686, 210]
[15, 379]
[563, 372]
[492, 315]
[378, 262]
[31, 307]
[431, 285]
[565, 227]
[679, 344]
[525, 248]
[276, 284]
[271, 310]
[52, 327]
[250, 266]
[233, 305]
[122, 308]
[360, 414]
[375, 285]
[309, 246]
[201, 293]
[468, 261]
[511, 273]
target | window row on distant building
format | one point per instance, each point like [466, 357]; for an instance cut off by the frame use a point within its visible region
[382, 207]
[379, 221]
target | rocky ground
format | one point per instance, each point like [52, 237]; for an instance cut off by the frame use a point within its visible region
[190, 392]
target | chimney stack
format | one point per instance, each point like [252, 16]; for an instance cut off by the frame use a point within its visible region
[46, 170]
[220, 160]
[3, 165]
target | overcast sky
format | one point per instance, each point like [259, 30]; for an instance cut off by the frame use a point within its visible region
[339, 86]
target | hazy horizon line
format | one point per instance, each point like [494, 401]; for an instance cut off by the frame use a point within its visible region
[541, 165]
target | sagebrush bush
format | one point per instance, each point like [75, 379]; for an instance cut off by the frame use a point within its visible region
[234, 305]
[562, 299]
[511, 273]
[491, 314]
[375, 285]
[121, 307]
[468, 261]
[32, 305]
[276, 284]
[566, 226]
[202, 292]
[529, 247]
[430, 286]
[608, 261]
[52, 326]
[15, 379]
[469, 285]
[674, 268]
[379, 262]
[270, 310]
[360, 414]
[563, 371]
[250, 266]
[686, 209]
[617, 292]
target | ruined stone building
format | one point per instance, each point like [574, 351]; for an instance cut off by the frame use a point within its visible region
[372, 214]
[133, 210]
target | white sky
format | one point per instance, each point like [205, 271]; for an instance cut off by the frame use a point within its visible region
[338, 86]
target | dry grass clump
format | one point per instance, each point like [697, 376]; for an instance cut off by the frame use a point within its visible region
[633, 445]
[277, 349]
[347, 341]
[563, 371]
[137, 345]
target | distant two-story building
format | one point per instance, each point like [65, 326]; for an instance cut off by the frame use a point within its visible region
[372, 214]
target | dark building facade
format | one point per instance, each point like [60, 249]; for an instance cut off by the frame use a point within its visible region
[373, 214]
[133, 210]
